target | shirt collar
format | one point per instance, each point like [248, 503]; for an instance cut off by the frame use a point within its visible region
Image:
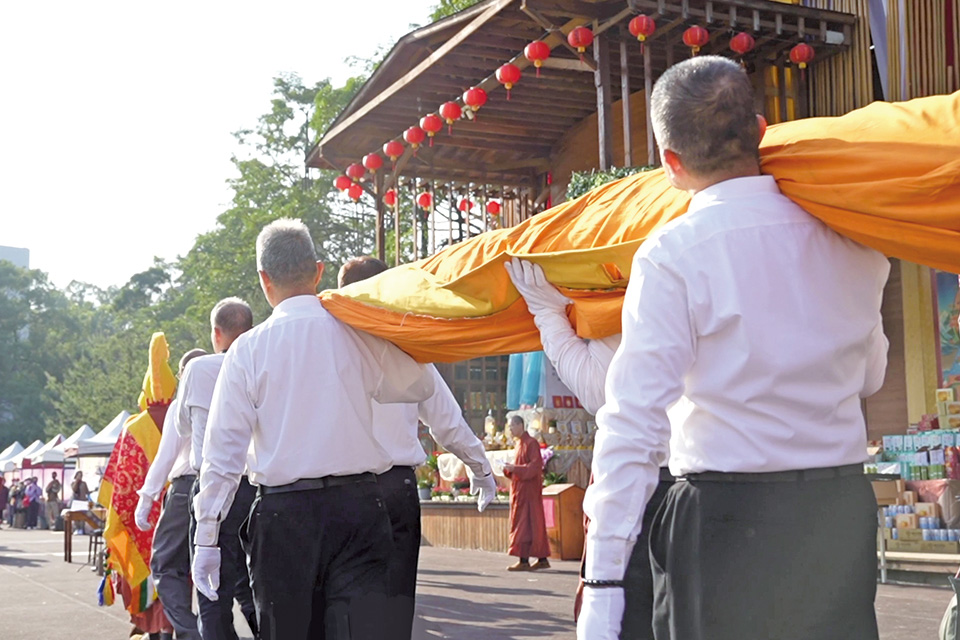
[297, 302]
[750, 186]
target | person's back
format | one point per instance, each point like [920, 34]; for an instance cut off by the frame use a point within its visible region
[785, 314]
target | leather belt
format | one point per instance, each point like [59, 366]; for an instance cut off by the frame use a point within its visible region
[665, 475]
[326, 482]
[800, 475]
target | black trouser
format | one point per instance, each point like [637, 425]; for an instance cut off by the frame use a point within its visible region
[637, 621]
[319, 561]
[399, 487]
[170, 559]
[216, 617]
[752, 556]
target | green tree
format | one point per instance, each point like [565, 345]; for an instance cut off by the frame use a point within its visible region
[450, 7]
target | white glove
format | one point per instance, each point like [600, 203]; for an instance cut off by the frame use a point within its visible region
[532, 284]
[206, 570]
[600, 614]
[142, 515]
[486, 486]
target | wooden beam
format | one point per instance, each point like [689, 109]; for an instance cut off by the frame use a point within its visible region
[601, 56]
[625, 92]
[541, 20]
[495, 7]
[566, 64]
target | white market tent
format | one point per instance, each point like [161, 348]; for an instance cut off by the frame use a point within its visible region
[15, 449]
[44, 450]
[102, 443]
[56, 454]
[14, 463]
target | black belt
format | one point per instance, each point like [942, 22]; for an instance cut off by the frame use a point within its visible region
[800, 475]
[187, 478]
[665, 475]
[326, 482]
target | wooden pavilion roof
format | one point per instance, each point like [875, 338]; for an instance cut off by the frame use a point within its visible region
[511, 141]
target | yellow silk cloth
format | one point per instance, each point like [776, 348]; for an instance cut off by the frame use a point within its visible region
[886, 175]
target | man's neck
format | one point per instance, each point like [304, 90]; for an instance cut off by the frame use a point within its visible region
[698, 184]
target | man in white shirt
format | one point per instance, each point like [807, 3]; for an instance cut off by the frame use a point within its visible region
[229, 318]
[764, 326]
[170, 556]
[395, 427]
[582, 366]
[292, 403]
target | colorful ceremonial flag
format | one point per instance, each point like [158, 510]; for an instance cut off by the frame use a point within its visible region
[128, 547]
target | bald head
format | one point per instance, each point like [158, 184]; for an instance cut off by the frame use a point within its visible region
[229, 318]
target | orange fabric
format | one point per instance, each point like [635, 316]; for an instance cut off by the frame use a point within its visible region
[887, 175]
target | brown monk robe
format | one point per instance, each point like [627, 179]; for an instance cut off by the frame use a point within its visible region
[528, 529]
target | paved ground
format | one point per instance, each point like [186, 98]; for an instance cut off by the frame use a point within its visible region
[461, 595]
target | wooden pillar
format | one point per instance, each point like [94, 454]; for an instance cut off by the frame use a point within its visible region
[652, 157]
[625, 97]
[381, 215]
[396, 223]
[601, 79]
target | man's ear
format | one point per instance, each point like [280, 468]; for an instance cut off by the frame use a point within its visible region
[316, 282]
[672, 160]
[762, 124]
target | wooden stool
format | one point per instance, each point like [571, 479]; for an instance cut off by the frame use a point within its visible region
[95, 551]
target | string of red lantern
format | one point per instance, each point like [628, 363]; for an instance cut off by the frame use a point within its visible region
[390, 198]
[432, 124]
[372, 161]
[393, 149]
[742, 43]
[801, 55]
[451, 112]
[474, 97]
[465, 205]
[414, 136]
[508, 75]
[342, 182]
[536, 52]
[493, 208]
[356, 171]
[695, 37]
[425, 200]
[355, 191]
[580, 38]
[642, 27]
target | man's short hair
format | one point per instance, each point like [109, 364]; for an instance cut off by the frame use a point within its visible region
[703, 110]
[188, 356]
[518, 418]
[360, 268]
[285, 252]
[232, 316]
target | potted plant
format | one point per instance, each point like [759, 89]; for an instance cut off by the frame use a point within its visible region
[424, 488]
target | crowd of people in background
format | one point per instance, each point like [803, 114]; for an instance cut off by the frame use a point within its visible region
[25, 505]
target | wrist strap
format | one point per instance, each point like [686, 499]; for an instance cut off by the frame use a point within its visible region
[603, 584]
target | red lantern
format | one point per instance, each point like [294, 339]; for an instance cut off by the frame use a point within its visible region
[393, 149]
[536, 52]
[414, 136]
[390, 198]
[695, 37]
[425, 200]
[493, 208]
[742, 43]
[372, 161]
[450, 111]
[508, 75]
[802, 54]
[641, 28]
[342, 182]
[465, 205]
[581, 38]
[355, 191]
[356, 171]
[475, 97]
[431, 123]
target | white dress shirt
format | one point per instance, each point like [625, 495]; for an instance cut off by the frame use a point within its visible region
[395, 428]
[293, 402]
[196, 394]
[764, 326]
[172, 459]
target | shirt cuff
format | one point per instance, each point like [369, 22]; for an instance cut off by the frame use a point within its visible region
[146, 493]
[207, 534]
[606, 558]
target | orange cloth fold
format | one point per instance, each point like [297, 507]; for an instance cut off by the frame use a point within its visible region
[886, 175]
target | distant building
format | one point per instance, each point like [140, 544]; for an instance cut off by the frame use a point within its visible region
[19, 257]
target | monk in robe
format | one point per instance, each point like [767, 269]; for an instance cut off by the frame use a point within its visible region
[528, 529]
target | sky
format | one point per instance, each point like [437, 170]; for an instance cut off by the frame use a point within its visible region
[116, 117]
